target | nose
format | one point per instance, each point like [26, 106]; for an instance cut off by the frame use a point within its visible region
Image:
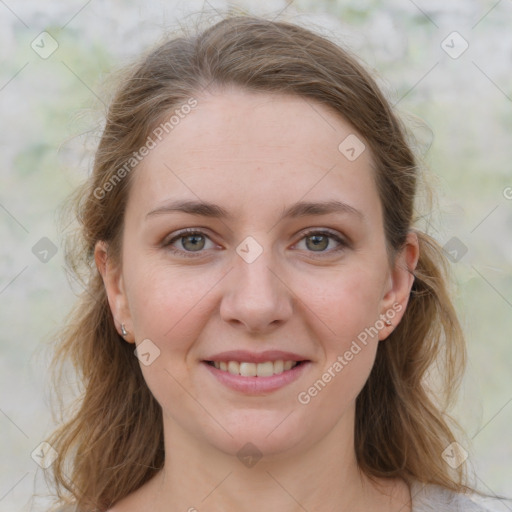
[256, 296]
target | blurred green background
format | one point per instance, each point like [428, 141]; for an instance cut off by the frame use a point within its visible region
[459, 107]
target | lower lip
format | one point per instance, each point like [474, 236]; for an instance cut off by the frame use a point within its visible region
[256, 385]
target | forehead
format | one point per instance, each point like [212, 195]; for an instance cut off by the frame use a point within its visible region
[244, 148]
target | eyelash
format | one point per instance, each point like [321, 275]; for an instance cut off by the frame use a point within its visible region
[343, 244]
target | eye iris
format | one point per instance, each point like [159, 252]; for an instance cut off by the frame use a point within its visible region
[320, 241]
[195, 245]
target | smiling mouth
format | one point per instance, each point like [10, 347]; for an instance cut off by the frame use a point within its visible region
[246, 369]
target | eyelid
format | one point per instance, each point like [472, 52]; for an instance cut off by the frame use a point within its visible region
[342, 240]
[323, 231]
[184, 232]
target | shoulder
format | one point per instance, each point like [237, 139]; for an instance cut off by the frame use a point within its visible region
[434, 498]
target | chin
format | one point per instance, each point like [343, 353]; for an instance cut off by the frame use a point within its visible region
[256, 433]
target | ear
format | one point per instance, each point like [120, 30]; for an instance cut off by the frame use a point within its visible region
[114, 286]
[400, 282]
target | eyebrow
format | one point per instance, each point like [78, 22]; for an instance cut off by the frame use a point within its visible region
[300, 209]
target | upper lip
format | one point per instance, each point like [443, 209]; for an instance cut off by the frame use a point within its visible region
[256, 357]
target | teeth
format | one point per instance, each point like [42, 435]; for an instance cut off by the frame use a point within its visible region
[248, 369]
[278, 366]
[266, 369]
[234, 367]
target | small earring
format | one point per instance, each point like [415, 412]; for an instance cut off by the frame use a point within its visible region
[388, 323]
[124, 332]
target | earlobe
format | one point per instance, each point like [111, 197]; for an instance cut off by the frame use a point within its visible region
[402, 278]
[114, 287]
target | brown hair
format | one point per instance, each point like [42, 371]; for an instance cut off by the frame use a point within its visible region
[113, 442]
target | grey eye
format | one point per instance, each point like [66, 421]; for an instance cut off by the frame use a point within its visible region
[193, 242]
[317, 242]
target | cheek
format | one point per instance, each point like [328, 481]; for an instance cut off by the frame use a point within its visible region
[163, 299]
[168, 307]
[348, 306]
[350, 352]
[332, 396]
[347, 301]
[348, 345]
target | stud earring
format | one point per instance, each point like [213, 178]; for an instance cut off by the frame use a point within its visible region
[388, 323]
[124, 332]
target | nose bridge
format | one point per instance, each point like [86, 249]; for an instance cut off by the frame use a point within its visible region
[257, 276]
[255, 271]
[256, 296]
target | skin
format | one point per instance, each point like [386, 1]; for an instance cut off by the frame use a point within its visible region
[255, 154]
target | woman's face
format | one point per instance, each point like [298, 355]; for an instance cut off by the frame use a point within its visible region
[286, 263]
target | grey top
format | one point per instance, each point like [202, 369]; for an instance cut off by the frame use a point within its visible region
[433, 498]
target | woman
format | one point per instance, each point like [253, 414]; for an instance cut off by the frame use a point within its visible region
[261, 313]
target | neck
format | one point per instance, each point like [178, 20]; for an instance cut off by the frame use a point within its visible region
[199, 477]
